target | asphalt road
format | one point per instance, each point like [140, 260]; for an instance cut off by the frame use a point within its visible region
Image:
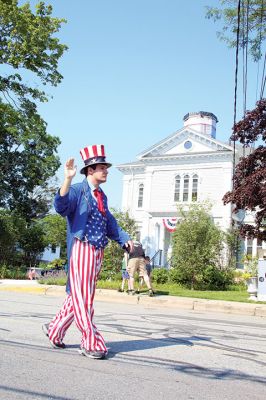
[153, 354]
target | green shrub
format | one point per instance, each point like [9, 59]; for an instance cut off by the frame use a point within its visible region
[211, 278]
[160, 275]
[44, 265]
[237, 287]
[10, 272]
[215, 279]
[60, 279]
[177, 276]
[60, 262]
[109, 275]
[3, 271]
[197, 242]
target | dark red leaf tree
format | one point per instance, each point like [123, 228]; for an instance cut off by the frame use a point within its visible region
[249, 180]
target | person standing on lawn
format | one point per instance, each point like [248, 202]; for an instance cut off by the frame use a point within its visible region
[89, 226]
[148, 268]
[125, 274]
[136, 264]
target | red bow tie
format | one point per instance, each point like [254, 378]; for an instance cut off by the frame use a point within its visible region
[99, 196]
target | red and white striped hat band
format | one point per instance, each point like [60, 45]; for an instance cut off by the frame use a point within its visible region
[92, 155]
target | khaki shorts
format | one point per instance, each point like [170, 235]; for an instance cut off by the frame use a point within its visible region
[136, 265]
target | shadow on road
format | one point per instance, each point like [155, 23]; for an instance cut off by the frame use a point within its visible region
[38, 395]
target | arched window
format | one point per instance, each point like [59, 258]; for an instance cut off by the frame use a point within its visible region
[140, 196]
[186, 188]
[177, 188]
[195, 182]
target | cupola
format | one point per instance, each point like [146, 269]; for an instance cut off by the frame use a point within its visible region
[202, 122]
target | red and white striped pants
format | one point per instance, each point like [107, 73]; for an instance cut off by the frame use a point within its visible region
[85, 265]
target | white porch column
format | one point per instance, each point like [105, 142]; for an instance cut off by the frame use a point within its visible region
[147, 234]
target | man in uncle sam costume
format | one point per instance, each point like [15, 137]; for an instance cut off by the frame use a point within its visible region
[89, 226]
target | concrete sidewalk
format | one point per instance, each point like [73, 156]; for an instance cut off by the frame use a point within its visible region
[185, 303]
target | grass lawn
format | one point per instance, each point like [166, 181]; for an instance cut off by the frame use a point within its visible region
[175, 290]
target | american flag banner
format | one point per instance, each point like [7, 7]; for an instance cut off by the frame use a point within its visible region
[170, 223]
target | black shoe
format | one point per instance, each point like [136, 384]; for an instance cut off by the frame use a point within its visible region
[137, 291]
[45, 328]
[57, 345]
[120, 290]
[151, 293]
[97, 355]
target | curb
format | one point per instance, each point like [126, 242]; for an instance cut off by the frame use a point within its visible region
[25, 289]
[184, 303]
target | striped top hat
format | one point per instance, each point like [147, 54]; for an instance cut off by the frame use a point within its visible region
[92, 155]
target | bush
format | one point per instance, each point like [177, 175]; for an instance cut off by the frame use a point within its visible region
[10, 272]
[109, 275]
[160, 275]
[211, 278]
[215, 279]
[177, 276]
[43, 265]
[3, 271]
[197, 242]
[60, 279]
[59, 262]
[237, 287]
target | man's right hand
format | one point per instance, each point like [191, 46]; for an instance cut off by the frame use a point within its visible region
[70, 169]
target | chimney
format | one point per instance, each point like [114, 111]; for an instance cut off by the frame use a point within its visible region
[202, 122]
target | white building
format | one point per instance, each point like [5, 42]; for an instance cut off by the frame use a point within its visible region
[50, 254]
[189, 165]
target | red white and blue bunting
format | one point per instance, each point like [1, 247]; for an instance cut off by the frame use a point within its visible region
[170, 223]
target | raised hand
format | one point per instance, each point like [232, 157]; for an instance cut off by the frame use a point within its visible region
[70, 169]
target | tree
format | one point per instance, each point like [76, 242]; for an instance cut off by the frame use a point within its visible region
[197, 244]
[252, 28]
[32, 242]
[27, 161]
[233, 247]
[27, 152]
[249, 176]
[54, 227]
[8, 238]
[113, 253]
[27, 42]
[20, 242]
[249, 182]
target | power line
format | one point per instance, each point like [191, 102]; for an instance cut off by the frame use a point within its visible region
[245, 54]
[263, 79]
[235, 95]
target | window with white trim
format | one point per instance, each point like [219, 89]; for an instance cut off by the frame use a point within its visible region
[249, 247]
[177, 188]
[194, 195]
[140, 195]
[186, 188]
[259, 247]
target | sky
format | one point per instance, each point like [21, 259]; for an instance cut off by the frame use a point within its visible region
[133, 69]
